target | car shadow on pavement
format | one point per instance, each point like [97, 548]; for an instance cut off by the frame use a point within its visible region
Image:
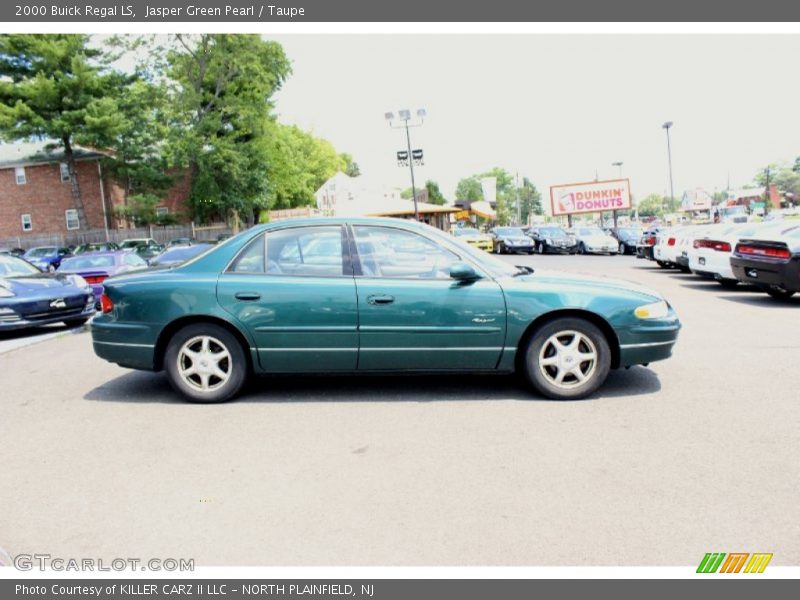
[761, 299]
[18, 334]
[146, 387]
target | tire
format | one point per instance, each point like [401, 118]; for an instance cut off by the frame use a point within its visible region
[779, 293]
[540, 248]
[729, 284]
[662, 264]
[581, 248]
[542, 346]
[213, 340]
[76, 322]
[622, 249]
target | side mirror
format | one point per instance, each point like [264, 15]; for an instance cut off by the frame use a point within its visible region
[463, 272]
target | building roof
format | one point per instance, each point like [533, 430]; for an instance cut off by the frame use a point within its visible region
[20, 154]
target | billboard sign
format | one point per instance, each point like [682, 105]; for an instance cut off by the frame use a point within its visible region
[589, 197]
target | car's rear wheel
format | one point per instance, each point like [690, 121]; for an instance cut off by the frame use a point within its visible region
[621, 248]
[581, 248]
[205, 363]
[729, 284]
[567, 359]
[662, 264]
[779, 292]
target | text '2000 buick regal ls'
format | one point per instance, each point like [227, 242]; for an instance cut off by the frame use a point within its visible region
[372, 296]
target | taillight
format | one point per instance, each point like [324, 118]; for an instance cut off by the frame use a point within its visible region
[713, 245]
[106, 305]
[650, 241]
[763, 251]
[671, 242]
[92, 279]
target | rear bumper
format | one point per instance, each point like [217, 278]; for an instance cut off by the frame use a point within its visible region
[785, 274]
[131, 346]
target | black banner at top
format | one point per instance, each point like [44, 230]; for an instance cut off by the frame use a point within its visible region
[317, 11]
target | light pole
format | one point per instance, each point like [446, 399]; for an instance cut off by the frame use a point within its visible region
[404, 116]
[617, 164]
[666, 126]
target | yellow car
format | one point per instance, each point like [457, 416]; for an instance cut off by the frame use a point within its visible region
[473, 237]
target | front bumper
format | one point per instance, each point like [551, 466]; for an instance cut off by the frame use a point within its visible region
[517, 247]
[10, 320]
[485, 245]
[565, 248]
[648, 341]
[604, 249]
[782, 273]
[645, 252]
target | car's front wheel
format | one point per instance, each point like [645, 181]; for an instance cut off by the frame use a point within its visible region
[622, 248]
[205, 363]
[567, 359]
[779, 293]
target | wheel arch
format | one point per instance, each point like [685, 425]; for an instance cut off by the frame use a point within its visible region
[174, 326]
[595, 319]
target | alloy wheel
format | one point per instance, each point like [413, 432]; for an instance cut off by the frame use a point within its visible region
[204, 363]
[568, 359]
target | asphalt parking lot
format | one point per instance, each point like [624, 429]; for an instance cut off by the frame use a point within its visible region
[696, 454]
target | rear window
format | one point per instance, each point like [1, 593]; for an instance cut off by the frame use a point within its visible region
[88, 262]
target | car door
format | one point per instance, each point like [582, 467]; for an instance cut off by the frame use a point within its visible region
[293, 289]
[412, 314]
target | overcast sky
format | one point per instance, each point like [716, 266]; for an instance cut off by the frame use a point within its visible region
[554, 108]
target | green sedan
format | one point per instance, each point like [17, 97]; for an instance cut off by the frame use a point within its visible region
[368, 295]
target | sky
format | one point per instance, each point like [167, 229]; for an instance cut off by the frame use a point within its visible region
[555, 108]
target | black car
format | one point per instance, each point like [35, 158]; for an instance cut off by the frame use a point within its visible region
[772, 264]
[29, 297]
[646, 243]
[510, 239]
[628, 238]
[553, 239]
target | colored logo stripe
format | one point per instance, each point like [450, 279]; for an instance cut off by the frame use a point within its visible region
[711, 562]
[758, 562]
[734, 562]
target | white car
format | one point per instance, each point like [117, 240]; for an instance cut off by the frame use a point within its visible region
[593, 240]
[710, 254]
[666, 250]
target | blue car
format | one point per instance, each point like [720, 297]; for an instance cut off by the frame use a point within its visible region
[29, 298]
[47, 258]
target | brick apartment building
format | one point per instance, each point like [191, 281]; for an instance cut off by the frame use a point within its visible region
[36, 194]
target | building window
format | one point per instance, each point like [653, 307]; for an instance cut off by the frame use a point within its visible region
[27, 224]
[19, 174]
[64, 168]
[72, 219]
[162, 211]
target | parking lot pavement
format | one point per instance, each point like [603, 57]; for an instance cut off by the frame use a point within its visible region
[695, 454]
[15, 339]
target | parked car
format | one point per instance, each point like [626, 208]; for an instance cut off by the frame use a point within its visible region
[12, 251]
[47, 258]
[510, 239]
[260, 304]
[96, 267]
[181, 241]
[29, 297]
[666, 250]
[647, 243]
[473, 237]
[593, 240]
[145, 248]
[710, 254]
[178, 254]
[627, 238]
[96, 247]
[770, 259]
[553, 239]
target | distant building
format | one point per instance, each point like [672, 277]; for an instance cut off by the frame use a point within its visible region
[696, 200]
[345, 196]
[36, 192]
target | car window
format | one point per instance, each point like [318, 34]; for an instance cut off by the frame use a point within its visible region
[297, 251]
[11, 266]
[132, 260]
[395, 253]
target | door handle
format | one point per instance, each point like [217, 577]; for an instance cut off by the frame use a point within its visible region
[380, 299]
[247, 296]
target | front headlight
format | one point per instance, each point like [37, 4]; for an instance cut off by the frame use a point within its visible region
[548, 241]
[656, 310]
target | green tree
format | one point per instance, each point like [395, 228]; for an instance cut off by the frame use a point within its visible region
[784, 177]
[530, 200]
[653, 205]
[222, 111]
[351, 167]
[435, 195]
[57, 87]
[469, 189]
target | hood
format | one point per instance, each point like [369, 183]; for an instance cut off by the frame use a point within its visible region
[588, 282]
[44, 283]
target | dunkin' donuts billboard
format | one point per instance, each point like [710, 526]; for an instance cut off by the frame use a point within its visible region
[593, 196]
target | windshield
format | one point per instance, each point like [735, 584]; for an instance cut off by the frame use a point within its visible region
[554, 231]
[41, 251]
[510, 231]
[11, 266]
[628, 233]
[132, 243]
[87, 262]
[466, 232]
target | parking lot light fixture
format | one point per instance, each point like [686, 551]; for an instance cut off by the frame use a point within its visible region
[403, 121]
